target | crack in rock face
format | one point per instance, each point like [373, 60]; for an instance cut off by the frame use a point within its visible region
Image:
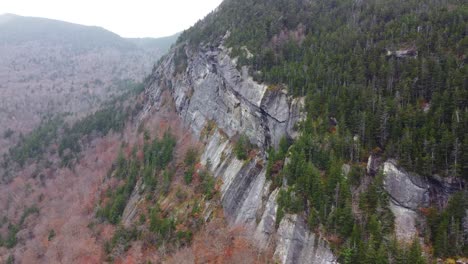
[408, 193]
[227, 96]
[405, 189]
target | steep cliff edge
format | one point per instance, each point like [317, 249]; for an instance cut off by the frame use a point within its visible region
[212, 89]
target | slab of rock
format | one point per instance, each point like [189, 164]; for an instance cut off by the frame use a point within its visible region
[212, 88]
[405, 222]
[408, 192]
[296, 244]
[131, 209]
[405, 189]
[266, 228]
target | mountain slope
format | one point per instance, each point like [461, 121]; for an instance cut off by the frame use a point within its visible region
[319, 132]
[50, 67]
[163, 44]
[18, 29]
[384, 85]
[402, 63]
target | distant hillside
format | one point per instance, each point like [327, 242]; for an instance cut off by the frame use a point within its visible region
[18, 29]
[49, 66]
[163, 44]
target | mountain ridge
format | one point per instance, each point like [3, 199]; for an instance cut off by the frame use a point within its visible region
[17, 29]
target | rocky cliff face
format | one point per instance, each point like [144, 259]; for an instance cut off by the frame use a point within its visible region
[410, 192]
[213, 90]
[407, 193]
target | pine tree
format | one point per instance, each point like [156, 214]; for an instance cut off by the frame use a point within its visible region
[414, 254]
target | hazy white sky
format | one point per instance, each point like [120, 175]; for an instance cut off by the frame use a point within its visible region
[128, 18]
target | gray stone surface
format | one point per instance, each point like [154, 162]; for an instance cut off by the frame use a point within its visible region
[408, 193]
[213, 89]
[373, 164]
[131, 208]
[405, 222]
[296, 115]
[406, 189]
[246, 200]
[295, 244]
[266, 227]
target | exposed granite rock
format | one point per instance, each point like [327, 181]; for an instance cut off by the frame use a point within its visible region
[266, 227]
[212, 89]
[247, 200]
[403, 53]
[346, 169]
[131, 208]
[295, 244]
[373, 164]
[275, 104]
[408, 192]
[405, 222]
[405, 189]
[296, 115]
[243, 183]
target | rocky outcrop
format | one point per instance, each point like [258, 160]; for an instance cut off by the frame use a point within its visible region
[212, 90]
[131, 209]
[408, 192]
[406, 189]
[246, 198]
[403, 53]
[295, 244]
[373, 164]
[267, 225]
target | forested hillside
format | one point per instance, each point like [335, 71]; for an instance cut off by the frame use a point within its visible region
[273, 131]
[392, 73]
[50, 67]
[381, 78]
